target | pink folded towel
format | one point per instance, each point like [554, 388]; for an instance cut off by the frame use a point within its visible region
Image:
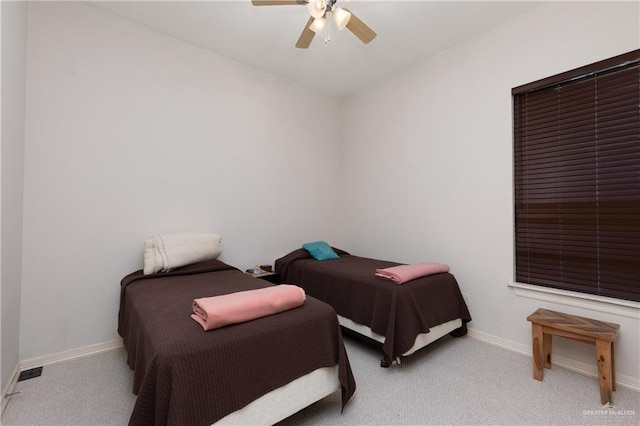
[218, 311]
[403, 273]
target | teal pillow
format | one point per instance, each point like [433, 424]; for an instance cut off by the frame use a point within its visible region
[320, 250]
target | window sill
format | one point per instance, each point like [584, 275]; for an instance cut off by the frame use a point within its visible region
[609, 305]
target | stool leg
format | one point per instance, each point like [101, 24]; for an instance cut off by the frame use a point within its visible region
[536, 344]
[546, 349]
[603, 355]
[613, 367]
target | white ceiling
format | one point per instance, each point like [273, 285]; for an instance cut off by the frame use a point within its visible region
[264, 37]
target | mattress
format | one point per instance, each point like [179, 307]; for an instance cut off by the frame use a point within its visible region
[404, 315]
[281, 403]
[184, 375]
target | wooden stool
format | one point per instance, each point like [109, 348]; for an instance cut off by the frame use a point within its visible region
[545, 324]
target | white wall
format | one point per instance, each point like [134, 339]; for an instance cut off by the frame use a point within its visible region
[14, 27]
[428, 161]
[131, 133]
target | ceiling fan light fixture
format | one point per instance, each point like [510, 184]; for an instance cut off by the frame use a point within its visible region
[341, 17]
[317, 8]
[318, 25]
[318, 22]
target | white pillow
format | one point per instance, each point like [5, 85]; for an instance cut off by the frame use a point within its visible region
[165, 252]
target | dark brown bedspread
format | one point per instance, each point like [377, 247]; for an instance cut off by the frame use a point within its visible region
[398, 312]
[186, 376]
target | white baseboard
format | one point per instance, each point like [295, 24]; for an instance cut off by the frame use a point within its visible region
[71, 354]
[9, 387]
[559, 360]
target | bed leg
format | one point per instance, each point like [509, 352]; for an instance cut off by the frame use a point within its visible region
[386, 363]
[459, 332]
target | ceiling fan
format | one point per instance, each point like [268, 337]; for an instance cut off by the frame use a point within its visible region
[317, 23]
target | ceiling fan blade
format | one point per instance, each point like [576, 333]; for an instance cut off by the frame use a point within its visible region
[360, 29]
[307, 35]
[277, 2]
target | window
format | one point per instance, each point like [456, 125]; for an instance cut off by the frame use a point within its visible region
[577, 179]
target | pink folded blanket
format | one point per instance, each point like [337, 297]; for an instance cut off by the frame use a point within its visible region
[403, 273]
[219, 311]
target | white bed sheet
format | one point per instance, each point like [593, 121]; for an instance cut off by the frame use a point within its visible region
[279, 404]
[421, 341]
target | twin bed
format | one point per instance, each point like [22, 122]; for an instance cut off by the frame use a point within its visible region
[259, 371]
[262, 371]
[404, 318]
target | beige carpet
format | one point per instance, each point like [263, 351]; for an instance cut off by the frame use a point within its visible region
[453, 381]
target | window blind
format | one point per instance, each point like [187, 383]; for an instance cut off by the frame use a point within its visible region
[577, 179]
